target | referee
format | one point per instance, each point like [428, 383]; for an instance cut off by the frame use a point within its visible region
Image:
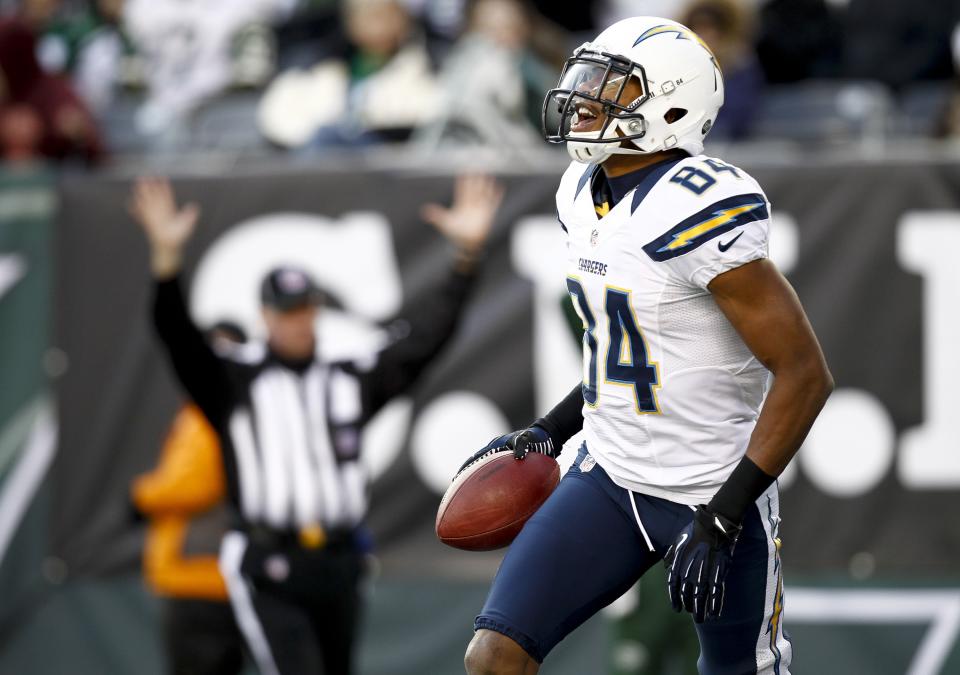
[289, 425]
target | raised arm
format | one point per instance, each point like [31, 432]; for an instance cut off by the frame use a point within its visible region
[168, 229]
[428, 328]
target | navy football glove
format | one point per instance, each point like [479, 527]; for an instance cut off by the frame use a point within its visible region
[698, 563]
[534, 439]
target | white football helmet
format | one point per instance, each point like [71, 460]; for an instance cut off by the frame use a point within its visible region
[671, 68]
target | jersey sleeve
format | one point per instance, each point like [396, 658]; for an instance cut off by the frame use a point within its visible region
[719, 237]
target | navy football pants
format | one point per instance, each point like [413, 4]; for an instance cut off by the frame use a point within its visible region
[591, 541]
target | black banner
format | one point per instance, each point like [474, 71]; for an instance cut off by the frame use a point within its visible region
[865, 245]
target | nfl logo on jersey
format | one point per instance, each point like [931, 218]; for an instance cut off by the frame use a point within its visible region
[594, 237]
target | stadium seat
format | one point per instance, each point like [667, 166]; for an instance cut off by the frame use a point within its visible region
[922, 105]
[229, 123]
[825, 111]
[119, 128]
[226, 124]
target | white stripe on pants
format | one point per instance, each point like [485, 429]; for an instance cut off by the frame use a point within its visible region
[232, 550]
[774, 651]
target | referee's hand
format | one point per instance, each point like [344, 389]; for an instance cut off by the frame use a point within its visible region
[467, 223]
[168, 228]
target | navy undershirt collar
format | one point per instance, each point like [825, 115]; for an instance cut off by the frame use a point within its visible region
[642, 179]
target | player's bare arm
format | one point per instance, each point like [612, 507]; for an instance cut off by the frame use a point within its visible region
[767, 314]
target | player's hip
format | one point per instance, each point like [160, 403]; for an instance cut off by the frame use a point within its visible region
[660, 513]
[687, 469]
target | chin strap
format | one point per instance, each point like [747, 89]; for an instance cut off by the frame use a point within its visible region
[597, 153]
[598, 150]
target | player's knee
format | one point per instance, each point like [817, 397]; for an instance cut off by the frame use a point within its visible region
[480, 658]
[490, 653]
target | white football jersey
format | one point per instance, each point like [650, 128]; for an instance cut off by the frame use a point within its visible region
[671, 392]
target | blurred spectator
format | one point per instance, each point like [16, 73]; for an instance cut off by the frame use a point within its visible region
[309, 35]
[899, 42]
[379, 90]
[187, 47]
[89, 47]
[493, 82]
[948, 125]
[798, 39]
[727, 26]
[37, 14]
[40, 115]
[575, 17]
[610, 11]
[443, 18]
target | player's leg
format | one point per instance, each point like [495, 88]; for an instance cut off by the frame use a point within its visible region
[577, 554]
[493, 653]
[748, 637]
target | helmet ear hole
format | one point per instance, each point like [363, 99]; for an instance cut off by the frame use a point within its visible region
[674, 115]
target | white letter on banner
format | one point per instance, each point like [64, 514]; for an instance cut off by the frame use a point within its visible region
[927, 243]
[784, 241]
[448, 430]
[850, 448]
[539, 254]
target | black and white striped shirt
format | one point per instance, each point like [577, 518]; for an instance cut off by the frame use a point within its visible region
[290, 432]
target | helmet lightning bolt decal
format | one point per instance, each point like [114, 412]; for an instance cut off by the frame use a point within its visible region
[683, 33]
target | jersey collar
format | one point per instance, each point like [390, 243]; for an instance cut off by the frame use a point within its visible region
[641, 180]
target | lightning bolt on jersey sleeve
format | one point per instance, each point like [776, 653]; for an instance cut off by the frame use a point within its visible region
[723, 221]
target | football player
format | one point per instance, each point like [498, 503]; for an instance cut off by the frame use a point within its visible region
[685, 323]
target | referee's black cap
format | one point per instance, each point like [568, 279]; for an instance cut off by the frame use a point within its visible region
[286, 288]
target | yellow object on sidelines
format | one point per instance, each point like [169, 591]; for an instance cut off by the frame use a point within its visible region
[313, 536]
[189, 480]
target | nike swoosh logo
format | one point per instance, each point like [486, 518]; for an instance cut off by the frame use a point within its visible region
[723, 247]
[12, 269]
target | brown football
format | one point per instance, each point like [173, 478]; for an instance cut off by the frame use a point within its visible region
[486, 506]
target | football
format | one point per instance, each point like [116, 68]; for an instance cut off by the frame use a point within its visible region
[486, 506]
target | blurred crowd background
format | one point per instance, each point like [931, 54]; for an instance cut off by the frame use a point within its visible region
[314, 131]
[87, 83]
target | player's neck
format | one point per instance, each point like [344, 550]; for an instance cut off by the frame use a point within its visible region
[620, 165]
